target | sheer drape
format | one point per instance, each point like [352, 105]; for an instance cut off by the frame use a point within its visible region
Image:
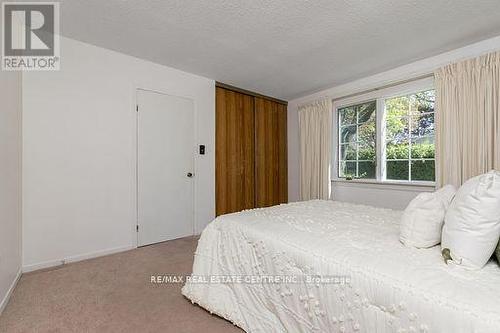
[315, 132]
[468, 119]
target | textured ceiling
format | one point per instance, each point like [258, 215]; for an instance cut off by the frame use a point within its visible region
[281, 48]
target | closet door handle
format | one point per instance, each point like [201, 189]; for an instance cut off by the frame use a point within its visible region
[190, 175]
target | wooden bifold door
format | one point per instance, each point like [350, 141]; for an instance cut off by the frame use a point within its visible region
[251, 151]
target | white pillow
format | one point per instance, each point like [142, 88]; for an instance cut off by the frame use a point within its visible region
[423, 219]
[472, 223]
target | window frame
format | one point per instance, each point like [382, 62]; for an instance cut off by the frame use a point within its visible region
[379, 95]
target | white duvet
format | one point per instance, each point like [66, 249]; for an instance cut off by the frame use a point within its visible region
[387, 286]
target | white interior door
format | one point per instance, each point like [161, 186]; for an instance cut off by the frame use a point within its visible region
[165, 168]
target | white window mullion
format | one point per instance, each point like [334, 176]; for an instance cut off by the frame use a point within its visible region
[380, 142]
[357, 147]
[409, 137]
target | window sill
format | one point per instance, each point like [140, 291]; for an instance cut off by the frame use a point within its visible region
[387, 184]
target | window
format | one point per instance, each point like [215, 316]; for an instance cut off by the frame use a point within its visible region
[357, 140]
[387, 135]
[409, 126]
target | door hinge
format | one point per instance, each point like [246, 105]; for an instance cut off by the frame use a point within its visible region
[137, 108]
[137, 228]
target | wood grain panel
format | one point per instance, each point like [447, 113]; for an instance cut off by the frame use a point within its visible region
[234, 152]
[283, 153]
[271, 183]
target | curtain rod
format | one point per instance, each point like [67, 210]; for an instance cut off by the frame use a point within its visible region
[393, 84]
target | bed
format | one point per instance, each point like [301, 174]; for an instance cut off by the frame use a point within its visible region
[368, 281]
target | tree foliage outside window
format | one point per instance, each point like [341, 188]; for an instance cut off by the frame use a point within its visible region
[358, 139]
[408, 140]
[410, 148]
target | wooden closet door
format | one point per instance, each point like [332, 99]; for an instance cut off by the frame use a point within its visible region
[234, 152]
[271, 176]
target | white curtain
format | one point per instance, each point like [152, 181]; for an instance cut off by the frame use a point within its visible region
[468, 119]
[315, 132]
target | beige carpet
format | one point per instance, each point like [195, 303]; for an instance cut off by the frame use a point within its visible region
[111, 294]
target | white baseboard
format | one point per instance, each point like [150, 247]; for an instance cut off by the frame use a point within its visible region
[71, 259]
[13, 285]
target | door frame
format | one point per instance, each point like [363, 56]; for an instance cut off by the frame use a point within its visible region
[135, 100]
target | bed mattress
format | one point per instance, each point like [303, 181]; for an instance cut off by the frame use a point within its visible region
[353, 274]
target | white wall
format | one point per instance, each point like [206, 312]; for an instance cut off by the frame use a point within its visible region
[380, 196]
[10, 182]
[79, 159]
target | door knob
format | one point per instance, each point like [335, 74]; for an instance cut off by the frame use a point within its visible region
[190, 175]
